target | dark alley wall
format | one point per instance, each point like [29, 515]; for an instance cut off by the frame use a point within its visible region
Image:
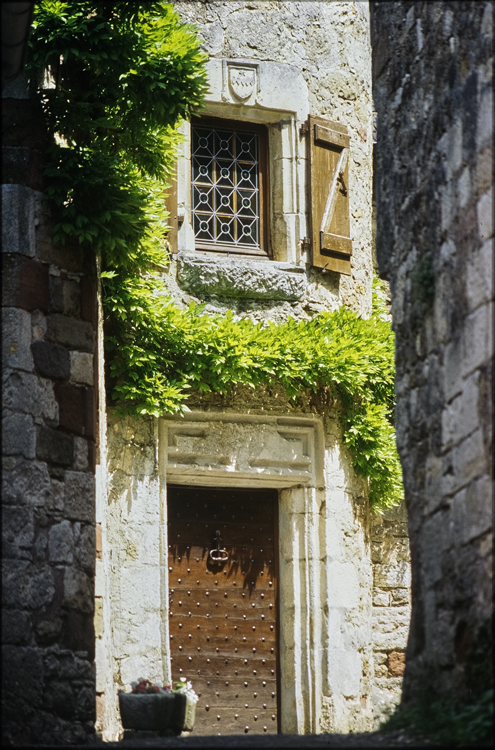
[432, 73]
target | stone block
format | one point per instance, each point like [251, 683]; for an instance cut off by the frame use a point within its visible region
[65, 296]
[18, 220]
[51, 360]
[472, 510]
[26, 586]
[24, 283]
[479, 276]
[241, 279]
[25, 482]
[16, 627]
[81, 454]
[390, 627]
[24, 392]
[401, 597]
[85, 549]
[17, 530]
[81, 368]
[18, 435]
[392, 574]
[76, 334]
[23, 668]
[85, 704]
[76, 408]
[78, 590]
[61, 543]
[452, 370]
[16, 339]
[54, 446]
[79, 496]
[381, 598]
[396, 663]
[59, 698]
[470, 459]
[478, 338]
[485, 216]
[484, 134]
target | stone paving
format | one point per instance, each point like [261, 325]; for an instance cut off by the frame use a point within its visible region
[280, 741]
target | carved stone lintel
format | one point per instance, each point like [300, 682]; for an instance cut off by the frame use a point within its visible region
[240, 450]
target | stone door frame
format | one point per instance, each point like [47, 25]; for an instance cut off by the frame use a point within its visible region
[218, 449]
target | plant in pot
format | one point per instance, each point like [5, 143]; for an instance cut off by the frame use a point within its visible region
[167, 710]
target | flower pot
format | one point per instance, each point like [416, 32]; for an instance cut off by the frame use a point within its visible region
[158, 712]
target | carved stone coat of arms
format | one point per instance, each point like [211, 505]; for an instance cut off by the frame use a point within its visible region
[242, 81]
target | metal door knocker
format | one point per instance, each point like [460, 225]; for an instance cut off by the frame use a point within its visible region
[218, 555]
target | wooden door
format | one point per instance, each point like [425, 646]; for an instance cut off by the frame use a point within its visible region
[223, 616]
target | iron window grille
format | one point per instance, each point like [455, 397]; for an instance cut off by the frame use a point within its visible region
[229, 186]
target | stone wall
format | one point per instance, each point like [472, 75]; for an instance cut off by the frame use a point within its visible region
[390, 557]
[49, 452]
[331, 643]
[325, 566]
[432, 68]
[313, 58]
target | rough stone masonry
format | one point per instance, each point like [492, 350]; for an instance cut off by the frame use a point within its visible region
[48, 442]
[432, 70]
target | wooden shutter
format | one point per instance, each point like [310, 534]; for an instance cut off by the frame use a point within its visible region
[329, 196]
[172, 207]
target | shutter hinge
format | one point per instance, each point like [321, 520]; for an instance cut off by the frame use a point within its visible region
[305, 242]
[304, 129]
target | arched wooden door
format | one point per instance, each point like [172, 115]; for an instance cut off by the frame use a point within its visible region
[223, 615]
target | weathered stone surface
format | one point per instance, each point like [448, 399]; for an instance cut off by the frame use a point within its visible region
[76, 334]
[16, 627]
[65, 296]
[54, 446]
[79, 496]
[396, 663]
[17, 220]
[17, 530]
[16, 339]
[28, 393]
[85, 549]
[26, 586]
[25, 482]
[240, 278]
[78, 590]
[81, 368]
[61, 542]
[434, 219]
[76, 408]
[18, 435]
[24, 283]
[51, 360]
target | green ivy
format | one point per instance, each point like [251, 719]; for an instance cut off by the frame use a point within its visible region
[122, 76]
[159, 351]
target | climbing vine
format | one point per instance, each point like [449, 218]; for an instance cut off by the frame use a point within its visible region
[158, 352]
[115, 80]
[118, 78]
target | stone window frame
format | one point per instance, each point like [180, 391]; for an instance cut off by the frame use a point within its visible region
[279, 100]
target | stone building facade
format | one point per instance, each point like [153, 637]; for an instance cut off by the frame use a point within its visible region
[433, 84]
[49, 431]
[343, 573]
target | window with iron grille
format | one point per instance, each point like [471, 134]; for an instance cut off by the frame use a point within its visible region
[229, 186]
